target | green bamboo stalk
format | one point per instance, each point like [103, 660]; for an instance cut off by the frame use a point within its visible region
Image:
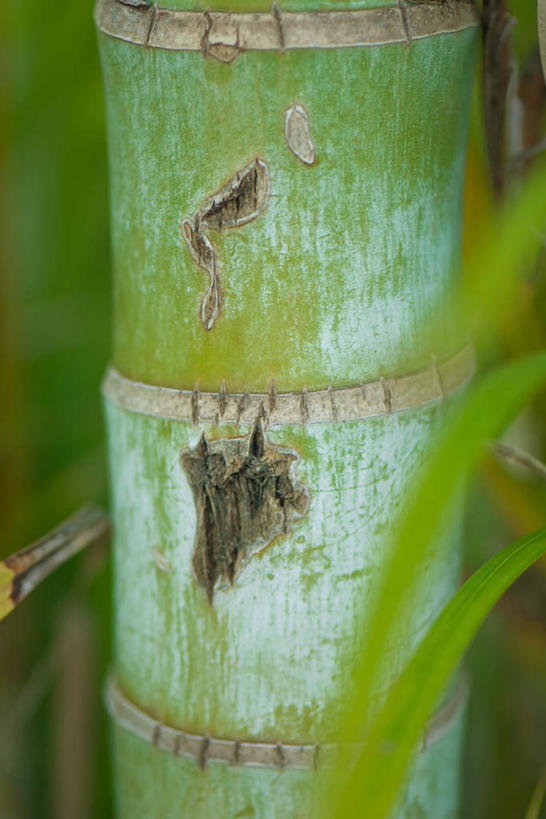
[285, 222]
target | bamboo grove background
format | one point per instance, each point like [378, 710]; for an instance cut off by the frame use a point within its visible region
[54, 345]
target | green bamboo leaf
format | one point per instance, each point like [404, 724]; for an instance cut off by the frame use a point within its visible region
[510, 242]
[398, 726]
[512, 239]
[487, 409]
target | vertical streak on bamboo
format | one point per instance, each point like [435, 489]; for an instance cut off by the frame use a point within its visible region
[328, 286]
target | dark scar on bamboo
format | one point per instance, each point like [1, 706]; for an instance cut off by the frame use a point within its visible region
[245, 496]
[239, 201]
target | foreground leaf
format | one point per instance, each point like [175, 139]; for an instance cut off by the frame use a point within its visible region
[487, 409]
[398, 726]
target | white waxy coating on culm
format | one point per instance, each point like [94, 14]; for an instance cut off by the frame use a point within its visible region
[292, 619]
[332, 286]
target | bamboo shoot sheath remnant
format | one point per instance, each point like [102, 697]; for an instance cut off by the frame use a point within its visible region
[204, 748]
[225, 35]
[377, 398]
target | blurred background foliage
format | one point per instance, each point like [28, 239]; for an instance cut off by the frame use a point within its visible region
[54, 346]
[54, 337]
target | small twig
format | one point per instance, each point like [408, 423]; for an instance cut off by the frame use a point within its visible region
[498, 72]
[22, 572]
[520, 457]
[528, 153]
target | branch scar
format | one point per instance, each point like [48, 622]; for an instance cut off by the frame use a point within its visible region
[245, 496]
[238, 202]
[297, 132]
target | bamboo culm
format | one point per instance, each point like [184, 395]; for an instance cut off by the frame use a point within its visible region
[286, 217]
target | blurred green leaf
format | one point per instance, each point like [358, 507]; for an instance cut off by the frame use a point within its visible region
[512, 238]
[537, 800]
[412, 698]
[487, 409]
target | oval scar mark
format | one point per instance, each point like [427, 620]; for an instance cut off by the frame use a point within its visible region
[297, 132]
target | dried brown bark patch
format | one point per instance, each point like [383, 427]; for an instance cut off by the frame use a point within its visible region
[245, 496]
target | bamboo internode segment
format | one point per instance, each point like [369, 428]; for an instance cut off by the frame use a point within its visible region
[214, 32]
[205, 748]
[353, 403]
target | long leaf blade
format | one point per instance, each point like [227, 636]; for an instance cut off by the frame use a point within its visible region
[413, 697]
[487, 409]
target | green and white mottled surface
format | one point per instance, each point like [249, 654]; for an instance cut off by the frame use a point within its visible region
[332, 285]
[334, 282]
[269, 659]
